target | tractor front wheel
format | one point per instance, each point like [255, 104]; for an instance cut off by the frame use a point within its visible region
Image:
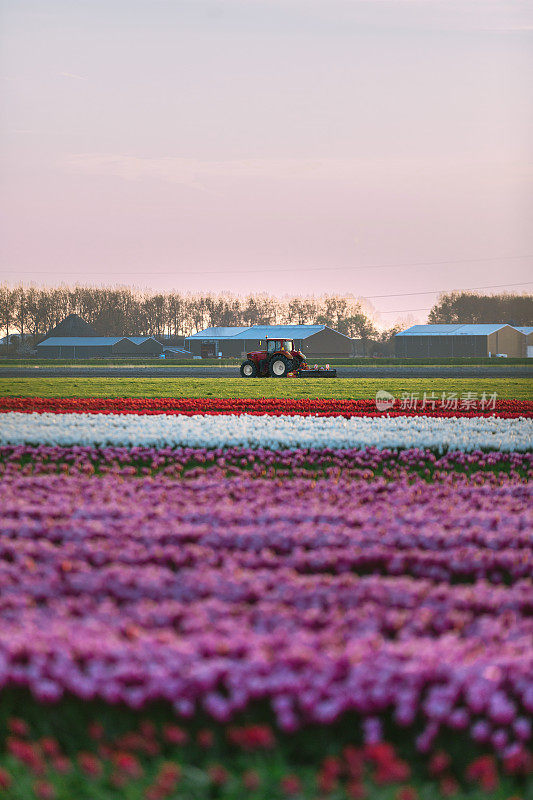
[279, 366]
[248, 369]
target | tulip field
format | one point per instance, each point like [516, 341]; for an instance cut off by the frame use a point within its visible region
[265, 598]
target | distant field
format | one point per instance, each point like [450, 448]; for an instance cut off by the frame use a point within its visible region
[232, 362]
[518, 388]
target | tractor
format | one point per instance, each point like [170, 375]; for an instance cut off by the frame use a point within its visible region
[278, 360]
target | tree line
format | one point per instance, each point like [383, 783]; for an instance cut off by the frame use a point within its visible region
[122, 311]
[467, 307]
[33, 312]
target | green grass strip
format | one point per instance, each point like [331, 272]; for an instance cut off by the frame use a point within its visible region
[340, 388]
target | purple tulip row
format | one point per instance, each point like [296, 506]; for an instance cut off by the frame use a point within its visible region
[444, 531]
[323, 597]
[188, 461]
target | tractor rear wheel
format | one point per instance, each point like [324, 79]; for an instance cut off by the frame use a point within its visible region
[248, 369]
[279, 366]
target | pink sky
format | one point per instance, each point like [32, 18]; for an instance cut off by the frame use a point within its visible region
[289, 146]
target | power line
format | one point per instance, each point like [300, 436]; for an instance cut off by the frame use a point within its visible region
[409, 294]
[435, 291]
[438, 291]
[397, 265]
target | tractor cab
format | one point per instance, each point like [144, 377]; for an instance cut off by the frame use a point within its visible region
[277, 359]
[279, 345]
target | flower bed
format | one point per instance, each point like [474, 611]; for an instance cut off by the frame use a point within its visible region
[151, 589]
[153, 758]
[140, 759]
[191, 406]
[468, 434]
[301, 463]
[332, 603]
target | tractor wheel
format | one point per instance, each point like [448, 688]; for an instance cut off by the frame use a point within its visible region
[248, 369]
[279, 366]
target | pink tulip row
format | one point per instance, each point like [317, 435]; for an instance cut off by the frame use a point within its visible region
[402, 599]
[301, 463]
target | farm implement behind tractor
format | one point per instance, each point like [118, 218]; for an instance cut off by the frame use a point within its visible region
[279, 360]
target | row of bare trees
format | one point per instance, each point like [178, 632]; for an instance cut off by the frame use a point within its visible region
[33, 312]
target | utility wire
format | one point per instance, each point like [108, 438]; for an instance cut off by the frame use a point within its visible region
[438, 291]
[412, 310]
[303, 270]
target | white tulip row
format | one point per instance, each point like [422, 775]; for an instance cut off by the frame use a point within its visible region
[274, 432]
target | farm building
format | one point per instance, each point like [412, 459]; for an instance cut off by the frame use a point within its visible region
[98, 346]
[75, 338]
[527, 330]
[454, 340]
[312, 340]
[73, 325]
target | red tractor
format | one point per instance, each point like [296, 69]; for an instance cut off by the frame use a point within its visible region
[279, 358]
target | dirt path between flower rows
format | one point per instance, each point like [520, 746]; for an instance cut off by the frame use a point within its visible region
[233, 372]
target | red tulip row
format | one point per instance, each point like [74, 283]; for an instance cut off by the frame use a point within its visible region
[189, 406]
[155, 762]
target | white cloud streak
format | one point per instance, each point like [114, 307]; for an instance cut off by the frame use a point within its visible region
[72, 76]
